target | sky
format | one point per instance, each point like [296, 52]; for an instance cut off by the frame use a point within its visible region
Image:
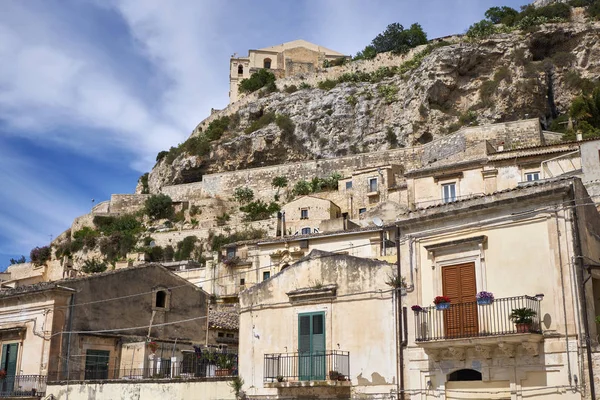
[92, 90]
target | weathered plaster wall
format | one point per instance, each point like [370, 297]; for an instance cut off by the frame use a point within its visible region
[147, 390]
[363, 299]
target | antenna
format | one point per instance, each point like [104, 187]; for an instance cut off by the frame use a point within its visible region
[377, 221]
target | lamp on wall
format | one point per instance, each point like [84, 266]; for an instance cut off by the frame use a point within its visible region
[539, 296]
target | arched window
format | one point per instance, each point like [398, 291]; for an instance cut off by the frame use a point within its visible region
[465, 375]
[267, 63]
[240, 69]
[161, 299]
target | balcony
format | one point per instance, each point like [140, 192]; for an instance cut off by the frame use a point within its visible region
[322, 368]
[484, 331]
[23, 386]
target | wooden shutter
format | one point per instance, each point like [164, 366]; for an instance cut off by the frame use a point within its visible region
[459, 284]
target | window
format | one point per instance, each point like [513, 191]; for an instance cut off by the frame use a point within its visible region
[348, 185]
[449, 192]
[230, 253]
[532, 176]
[221, 334]
[242, 281]
[465, 375]
[96, 364]
[362, 210]
[266, 275]
[240, 69]
[372, 185]
[230, 335]
[161, 299]
[267, 63]
[304, 213]
[306, 231]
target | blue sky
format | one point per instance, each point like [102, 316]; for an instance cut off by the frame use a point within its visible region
[92, 90]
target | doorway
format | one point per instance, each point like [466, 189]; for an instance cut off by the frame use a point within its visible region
[459, 284]
[311, 346]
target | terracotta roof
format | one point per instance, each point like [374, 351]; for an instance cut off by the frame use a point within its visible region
[226, 320]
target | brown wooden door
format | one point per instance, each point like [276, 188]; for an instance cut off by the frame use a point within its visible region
[460, 286]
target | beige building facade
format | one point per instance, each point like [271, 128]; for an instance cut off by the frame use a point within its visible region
[284, 60]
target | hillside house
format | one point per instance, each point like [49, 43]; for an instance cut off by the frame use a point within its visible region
[284, 60]
[304, 215]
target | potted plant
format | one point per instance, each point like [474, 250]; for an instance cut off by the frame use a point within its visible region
[484, 298]
[280, 378]
[442, 302]
[2, 374]
[523, 318]
[224, 365]
[417, 308]
[333, 375]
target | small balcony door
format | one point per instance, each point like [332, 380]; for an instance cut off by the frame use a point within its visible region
[9, 365]
[311, 346]
[460, 286]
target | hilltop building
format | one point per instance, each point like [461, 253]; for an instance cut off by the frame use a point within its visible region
[284, 60]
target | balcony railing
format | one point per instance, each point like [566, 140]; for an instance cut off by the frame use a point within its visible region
[469, 319]
[23, 386]
[194, 365]
[316, 366]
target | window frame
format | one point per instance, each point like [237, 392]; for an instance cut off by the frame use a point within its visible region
[348, 185]
[529, 174]
[304, 211]
[453, 197]
[362, 210]
[369, 180]
[266, 275]
[306, 231]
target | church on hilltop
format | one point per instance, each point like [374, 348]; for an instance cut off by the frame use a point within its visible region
[286, 59]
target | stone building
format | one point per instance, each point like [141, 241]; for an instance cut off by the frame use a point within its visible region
[284, 60]
[223, 328]
[305, 214]
[113, 314]
[307, 324]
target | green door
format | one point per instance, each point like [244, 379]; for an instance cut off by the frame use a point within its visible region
[311, 346]
[9, 364]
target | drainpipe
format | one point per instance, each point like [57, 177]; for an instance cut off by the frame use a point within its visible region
[400, 314]
[579, 267]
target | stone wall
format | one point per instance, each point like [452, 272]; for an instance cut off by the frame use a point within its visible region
[127, 203]
[213, 389]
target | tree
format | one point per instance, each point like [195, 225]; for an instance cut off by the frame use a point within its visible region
[258, 80]
[368, 53]
[40, 255]
[399, 40]
[93, 266]
[243, 195]
[159, 206]
[301, 188]
[20, 260]
[259, 210]
[279, 182]
[585, 109]
[502, 15]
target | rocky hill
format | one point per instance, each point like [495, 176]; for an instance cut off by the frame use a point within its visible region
[394, 101]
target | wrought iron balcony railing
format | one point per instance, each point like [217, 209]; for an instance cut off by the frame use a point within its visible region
[315, 366]
[470, 319]
[23, 386]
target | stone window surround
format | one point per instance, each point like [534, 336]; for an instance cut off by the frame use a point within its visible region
[155, 291]
[458, 252]
[369, 180]
[448, 181]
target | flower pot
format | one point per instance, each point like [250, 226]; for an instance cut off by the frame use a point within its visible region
[222, 372]
[523, 328]
[442, 306]
[485, 301]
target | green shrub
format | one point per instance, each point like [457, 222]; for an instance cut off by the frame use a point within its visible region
[304, 85]
[290, 89]
[20, 260]
[159, 206]
[593, 10]
[585, 110]
[481, 29]
[155, 254]
[93, 266]
[195, 210]
[126, 223]
[161, 155]
[468, 118]
[116, 245]
[243, 195]
[179, 216]
[351, 100]
[388, 92]
[368, 53]
[261, 122]
[327, 84]
[144, 181]
[301, 188]
[223, 219]
[185, 248]
[257, 81]
[574, 80]
[86, 237]
[279, 182]
[259, 210]
[399, 40]
[168, 253]
[217, 128]
[502, 15]
[218, 241]
[286, 125]
[40, 255]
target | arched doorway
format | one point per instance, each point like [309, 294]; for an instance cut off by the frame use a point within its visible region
[267, 63]
[465, 375]
[240, 69]
[469, 384]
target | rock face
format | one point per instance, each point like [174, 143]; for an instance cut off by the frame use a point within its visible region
[503, 78]
[543, 3]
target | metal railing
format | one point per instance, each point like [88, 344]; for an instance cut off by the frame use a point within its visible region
[470, 319]
[23, 386]
[194, 365]
[316, 366]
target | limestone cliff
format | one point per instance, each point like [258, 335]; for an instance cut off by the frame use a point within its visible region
[414, 99]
